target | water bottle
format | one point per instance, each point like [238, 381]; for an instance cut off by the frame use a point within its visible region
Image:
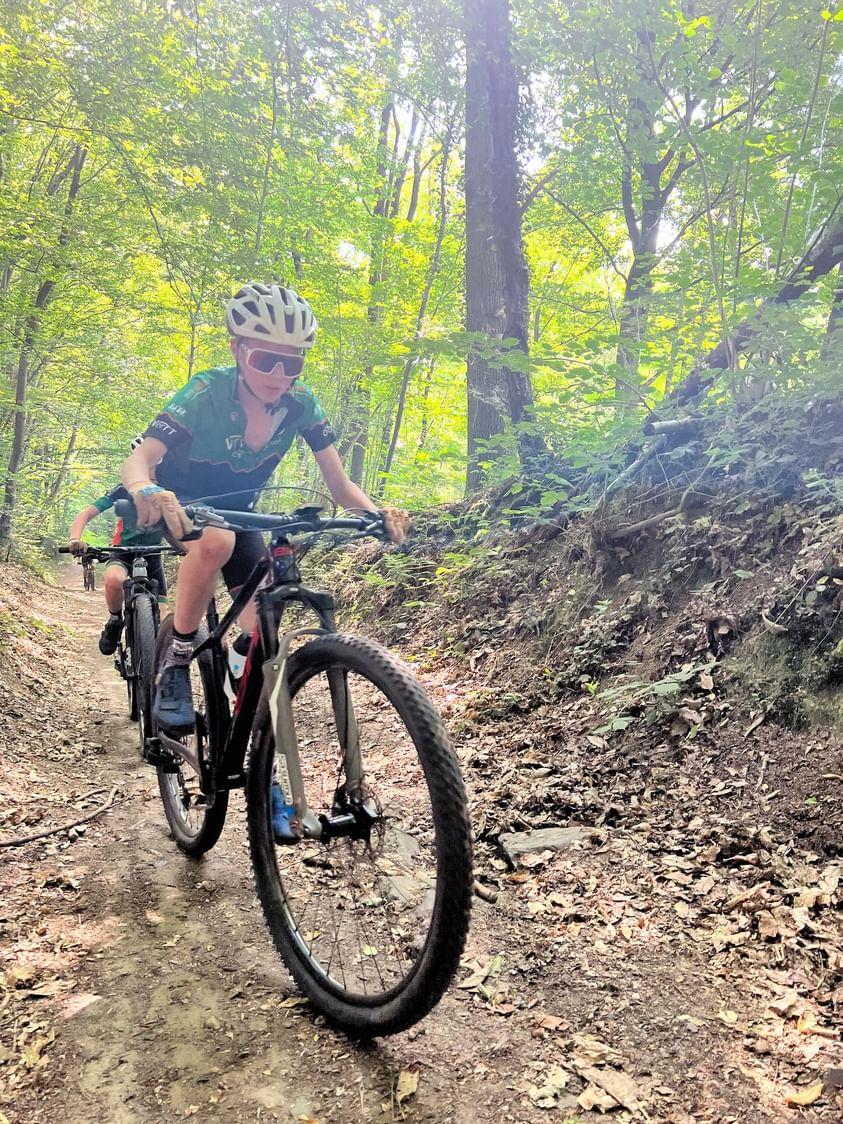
[237, 653]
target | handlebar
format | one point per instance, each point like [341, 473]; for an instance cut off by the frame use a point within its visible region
[103, 553]
[305, 520]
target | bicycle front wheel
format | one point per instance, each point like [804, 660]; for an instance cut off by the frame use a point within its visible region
[196, 818]
[370, 924]
[143, 663]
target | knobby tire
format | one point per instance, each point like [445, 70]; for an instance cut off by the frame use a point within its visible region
[423, 986]
[143, 662]
[195, 842]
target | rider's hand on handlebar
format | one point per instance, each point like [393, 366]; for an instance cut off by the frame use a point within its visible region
[76, 547]
[156, 505]
[397, 523]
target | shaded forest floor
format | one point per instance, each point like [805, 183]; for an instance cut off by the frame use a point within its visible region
[680, 960]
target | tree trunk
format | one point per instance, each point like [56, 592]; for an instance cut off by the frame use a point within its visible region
[834, 327]
[359, 435]
[432, 271]
[644, 226]
[823, 256]
[21, 387]
[45, 291]
[359, 398]
[638, 291]
[497, 281]
[425, 420]
[53, 494]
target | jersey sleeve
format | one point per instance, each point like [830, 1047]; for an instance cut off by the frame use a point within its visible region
[109, 500]
[315, 427]
[175, 425]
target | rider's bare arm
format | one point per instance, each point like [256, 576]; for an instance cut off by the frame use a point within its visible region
[153, 504]
[139, 468]
[81, 522]
[347, 494]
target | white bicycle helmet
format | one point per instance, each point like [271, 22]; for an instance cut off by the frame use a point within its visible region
[272, 312]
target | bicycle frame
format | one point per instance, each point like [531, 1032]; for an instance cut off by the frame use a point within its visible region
[270, 687]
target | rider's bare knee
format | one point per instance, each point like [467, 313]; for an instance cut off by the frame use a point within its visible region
[215, 549]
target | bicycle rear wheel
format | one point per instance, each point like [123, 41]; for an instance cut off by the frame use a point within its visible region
[195, 818]
[371, 928]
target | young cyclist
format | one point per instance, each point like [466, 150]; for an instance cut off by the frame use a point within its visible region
[119, 566]
[221, 437]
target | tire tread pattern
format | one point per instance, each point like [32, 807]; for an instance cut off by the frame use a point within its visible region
[443, 949]
[208, 835]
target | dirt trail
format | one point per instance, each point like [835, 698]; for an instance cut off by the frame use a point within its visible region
[177, 1005]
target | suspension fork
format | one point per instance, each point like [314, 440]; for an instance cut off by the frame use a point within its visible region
[342, 705]
[347, 731]
[278, 701]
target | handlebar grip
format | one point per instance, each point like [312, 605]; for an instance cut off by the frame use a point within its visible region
[65, 550]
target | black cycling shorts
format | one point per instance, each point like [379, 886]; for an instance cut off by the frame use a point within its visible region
[249, 548]
[154, 569]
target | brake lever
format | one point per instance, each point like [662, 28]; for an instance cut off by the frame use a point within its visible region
[205, 517]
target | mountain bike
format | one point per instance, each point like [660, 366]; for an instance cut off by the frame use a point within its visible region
[368, 903]
[89, 581]
[135, 653]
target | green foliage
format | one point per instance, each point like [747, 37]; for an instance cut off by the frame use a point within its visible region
[224, 142]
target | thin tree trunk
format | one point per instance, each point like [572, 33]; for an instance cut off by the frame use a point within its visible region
[21, 387]
[45, 291]
[424, 433]
[53, 494]
[644, 226]
[497, 281]
[834, 326]
[824, 256]
[432, 272]
[267, 167]
[359, 430]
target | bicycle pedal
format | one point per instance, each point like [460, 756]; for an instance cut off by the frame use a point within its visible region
[155, 754]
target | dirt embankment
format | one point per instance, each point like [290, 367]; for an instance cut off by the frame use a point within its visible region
[679, 960]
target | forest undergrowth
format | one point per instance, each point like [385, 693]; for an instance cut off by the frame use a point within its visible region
[659, 678]
[665, 670]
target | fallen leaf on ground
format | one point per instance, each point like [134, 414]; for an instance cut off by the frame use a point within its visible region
[785, 1003]
[619, 1085]
[546, 1095]
[75, 1004]
[767, 926]
[481, 969]
[593, 1097]
[406, 1085]
[589, 1050]
[805, 1096]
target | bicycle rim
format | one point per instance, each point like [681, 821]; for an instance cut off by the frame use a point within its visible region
[195, 818]
[372, 927]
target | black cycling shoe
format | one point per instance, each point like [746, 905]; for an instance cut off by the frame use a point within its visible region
[110, 635]
[173, 705]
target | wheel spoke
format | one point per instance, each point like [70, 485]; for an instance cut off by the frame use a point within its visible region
[357, 907]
